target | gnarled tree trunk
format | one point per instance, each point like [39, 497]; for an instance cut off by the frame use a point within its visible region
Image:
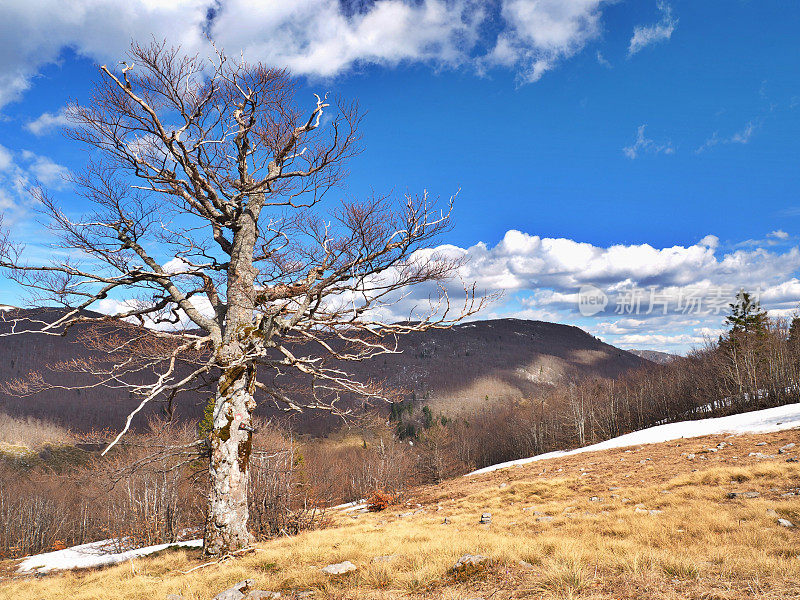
[231, 444]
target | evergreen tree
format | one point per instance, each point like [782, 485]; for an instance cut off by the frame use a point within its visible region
[747, 316]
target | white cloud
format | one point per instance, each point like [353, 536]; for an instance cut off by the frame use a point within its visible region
[541, 278]
[644, 144]
[48, 122]
[740, 137]
[21, 170]
[315, 37]
[778, 234]
[541, 33]
[602, 60]
[44, 170]
[33, 34]
[6, 158]
[311, 37]
[646, 35]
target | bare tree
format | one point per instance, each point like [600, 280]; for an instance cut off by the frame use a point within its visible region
[210, 164]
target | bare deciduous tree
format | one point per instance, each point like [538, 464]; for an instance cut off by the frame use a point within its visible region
[211, 164]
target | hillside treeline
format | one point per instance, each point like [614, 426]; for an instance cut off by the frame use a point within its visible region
[153, 488]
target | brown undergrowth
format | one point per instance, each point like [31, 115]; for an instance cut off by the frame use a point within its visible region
[649, 521]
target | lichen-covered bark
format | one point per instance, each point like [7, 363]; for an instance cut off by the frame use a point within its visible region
[231, 442]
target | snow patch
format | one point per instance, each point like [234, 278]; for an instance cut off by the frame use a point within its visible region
[759, 421]
[92, 555]
[351, 506]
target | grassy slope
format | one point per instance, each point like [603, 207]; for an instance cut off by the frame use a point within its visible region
[702, 545]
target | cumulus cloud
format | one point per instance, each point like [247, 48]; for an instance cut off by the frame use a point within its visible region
[539, 34]
[48, 122]
[315, 37]
[311, 37]
[21, 170]
[643, 144]
[672, 297]
[33, 34]
[646, 35]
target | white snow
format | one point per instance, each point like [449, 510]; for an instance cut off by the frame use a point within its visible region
[95, 554]
[351, 506]
[759, 421]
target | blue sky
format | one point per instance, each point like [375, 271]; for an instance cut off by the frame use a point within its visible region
[620, 144]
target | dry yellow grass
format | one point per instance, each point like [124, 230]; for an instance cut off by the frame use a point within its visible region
[701, 545]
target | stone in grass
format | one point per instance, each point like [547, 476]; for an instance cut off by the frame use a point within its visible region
[785, 523]
[786, 448]
[339, 568]
[237, 591]
[262, 595]
[384, 559]
[732, 495]
[470, 560]
[486, 518]
[544, 519]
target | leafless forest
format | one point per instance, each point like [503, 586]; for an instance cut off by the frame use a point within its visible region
[152, 488]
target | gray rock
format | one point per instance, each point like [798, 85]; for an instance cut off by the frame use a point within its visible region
[236, 591]
[785, 523]
[526, 564]
[262, 595]
[384, 559]
[786, 448]
[732, 495]
[761, 444]
[486, 518]
[792, 459]
[305, 594]
[595, 499]
[761, 455]
[470, 560]
[772, 513]
[544, 519]
[339, 568]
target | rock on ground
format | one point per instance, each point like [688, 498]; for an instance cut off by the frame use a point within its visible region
[237, 591]
[471, 560]
[339, 568]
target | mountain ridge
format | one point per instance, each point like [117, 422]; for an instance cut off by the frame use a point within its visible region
[453, 370]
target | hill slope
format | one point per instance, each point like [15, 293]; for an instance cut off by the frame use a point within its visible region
[662, 521]
[453, 370]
